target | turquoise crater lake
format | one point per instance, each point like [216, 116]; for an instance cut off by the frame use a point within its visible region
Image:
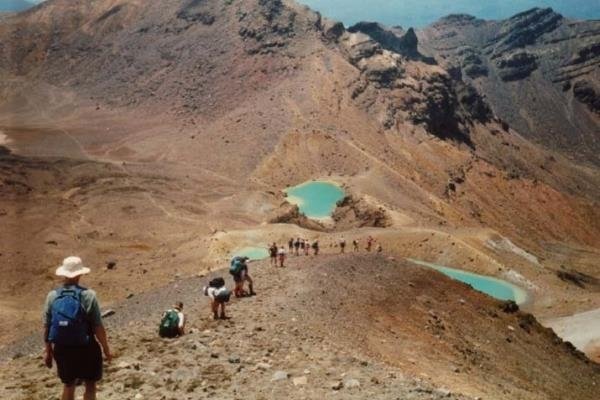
[253, 253]
[315, 199]
[493, 287]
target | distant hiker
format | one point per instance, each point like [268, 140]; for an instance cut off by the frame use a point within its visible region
[342, 245]
[219, 296]
[291, 245]
[73, 331]
[369, 243]
[297, 246]
[315, 247]
[172, 323]
[239, 270]
[273, 254]
[281, 256]
[302, 243]
[355, 245]
[306, 247]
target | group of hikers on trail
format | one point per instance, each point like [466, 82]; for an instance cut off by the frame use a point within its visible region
[74, 333]
[299, 245]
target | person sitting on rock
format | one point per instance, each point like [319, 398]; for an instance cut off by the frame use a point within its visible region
[219, 296]
[73, 331]
[172, 323]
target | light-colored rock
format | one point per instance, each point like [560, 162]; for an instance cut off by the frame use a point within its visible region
[279, 376]
[300, 380]
[351, 383]
[263, 366]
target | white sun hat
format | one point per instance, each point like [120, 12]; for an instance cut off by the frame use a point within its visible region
[72, 267]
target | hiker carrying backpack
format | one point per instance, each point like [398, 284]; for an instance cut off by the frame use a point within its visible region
[173, 322]
[219, 295]
[237, 265]
[69, 325]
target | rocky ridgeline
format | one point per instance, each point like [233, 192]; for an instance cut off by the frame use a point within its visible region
[408, 85]
[557, 57]
[265, 351]
[524, 29]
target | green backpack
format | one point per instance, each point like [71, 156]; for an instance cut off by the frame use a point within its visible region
[169, 325]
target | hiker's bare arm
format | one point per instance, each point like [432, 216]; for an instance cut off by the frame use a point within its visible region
[100, 333]
[48, 353]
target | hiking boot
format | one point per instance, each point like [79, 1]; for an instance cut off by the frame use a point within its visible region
[223, 316]
[215, 316]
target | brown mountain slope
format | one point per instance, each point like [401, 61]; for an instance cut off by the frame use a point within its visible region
[160, 134]
[538, 71]
[401, 331]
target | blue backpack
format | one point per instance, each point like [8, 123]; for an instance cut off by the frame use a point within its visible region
[68, 324]
[237, 263]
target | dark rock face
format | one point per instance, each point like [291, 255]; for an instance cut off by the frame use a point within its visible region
[525, 28]
[586, 53]
[439, 112]
[192, 12]
[405, 45]
[517, 66]
[579, 279]
[548, 51]
[270, 8]
[585, 92]
[268, 27]
[356, 213]
[333, 30]
[473, 103]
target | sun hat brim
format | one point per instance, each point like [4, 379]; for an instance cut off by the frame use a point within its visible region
[62, 271]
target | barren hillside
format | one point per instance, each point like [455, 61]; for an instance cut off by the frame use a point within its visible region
[158, 137]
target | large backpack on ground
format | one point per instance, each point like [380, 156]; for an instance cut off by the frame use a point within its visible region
[69, 325]
[236, 266]
[217, 282]
[169, 325]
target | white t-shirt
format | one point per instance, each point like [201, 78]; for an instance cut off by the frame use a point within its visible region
[212, 292]
[281, 251]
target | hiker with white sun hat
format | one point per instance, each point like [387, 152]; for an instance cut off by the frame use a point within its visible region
[73, 331]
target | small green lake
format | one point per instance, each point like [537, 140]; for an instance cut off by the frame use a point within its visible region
[493, 287]
[253, 253]
[315, 199]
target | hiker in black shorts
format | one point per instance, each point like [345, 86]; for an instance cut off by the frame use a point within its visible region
[273, 254]
[297, 246]
[219, 296]
[73, 332]
[342, 245]
[315, 247]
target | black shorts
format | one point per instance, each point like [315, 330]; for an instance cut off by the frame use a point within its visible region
[78, 363]
[237, 277]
